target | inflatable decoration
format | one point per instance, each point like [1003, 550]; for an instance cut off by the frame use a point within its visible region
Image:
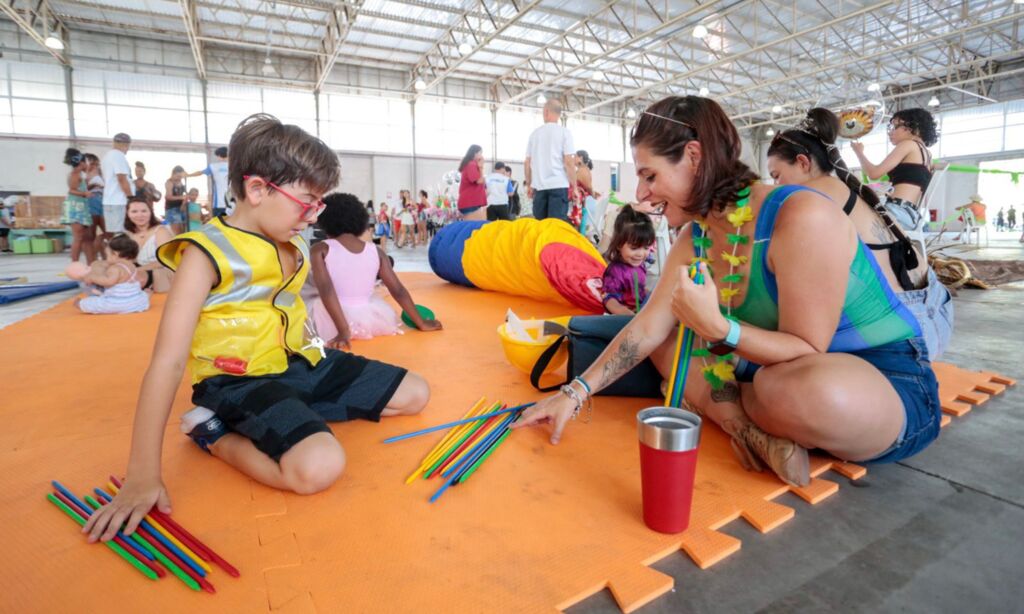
[855, 123]
[542, 259]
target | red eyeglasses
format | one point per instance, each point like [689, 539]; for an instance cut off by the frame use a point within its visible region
[317, 206]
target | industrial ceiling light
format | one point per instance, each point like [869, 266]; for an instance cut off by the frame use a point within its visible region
[933, 101]
[704, 91]
[268, 66]
[770, 132]
[874, 87]
[465, 48]
[420, 84]
[700, 31]
[777, 108]
[54, 43]
[631, 113]
[542, 99]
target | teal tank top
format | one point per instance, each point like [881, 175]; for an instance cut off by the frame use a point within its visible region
[82, 187]
[872, 314]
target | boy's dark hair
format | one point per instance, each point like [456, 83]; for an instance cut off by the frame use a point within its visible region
[344, 214]
[124, 246]
[264, 147]
[920, 123]
[632, 228]
[221, 152]
[499, 166]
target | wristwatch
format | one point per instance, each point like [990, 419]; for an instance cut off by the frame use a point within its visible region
[732, 339]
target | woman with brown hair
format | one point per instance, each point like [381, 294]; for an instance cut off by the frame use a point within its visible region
[806, 344]
[142, 225]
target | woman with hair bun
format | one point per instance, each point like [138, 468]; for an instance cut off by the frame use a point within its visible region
[806, 344]
[808, 156]
[75, 211]
[909, 165]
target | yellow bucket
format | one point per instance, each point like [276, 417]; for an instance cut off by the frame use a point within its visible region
[524, 354]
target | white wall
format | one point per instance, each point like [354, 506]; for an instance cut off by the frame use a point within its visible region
[35, 166]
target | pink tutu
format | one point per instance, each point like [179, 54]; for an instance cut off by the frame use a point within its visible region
[373, 318]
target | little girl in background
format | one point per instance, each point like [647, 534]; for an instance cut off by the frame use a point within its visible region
[345, 269]
[123, 294]
[625, 279]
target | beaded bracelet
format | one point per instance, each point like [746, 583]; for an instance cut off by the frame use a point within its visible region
[574, 395]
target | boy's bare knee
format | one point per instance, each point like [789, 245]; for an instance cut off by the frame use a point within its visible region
[315, 472]
[413, 395]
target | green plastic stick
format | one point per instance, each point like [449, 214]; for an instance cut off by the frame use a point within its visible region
[149, 573]
[168, 563]
[484, 457]
[455, 447]
[636, 291]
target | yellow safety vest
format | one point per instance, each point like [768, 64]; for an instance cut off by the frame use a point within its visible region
[253, 313]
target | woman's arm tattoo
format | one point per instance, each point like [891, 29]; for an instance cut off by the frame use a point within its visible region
[626, 356]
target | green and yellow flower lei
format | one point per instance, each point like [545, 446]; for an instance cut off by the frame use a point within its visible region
[720, 371]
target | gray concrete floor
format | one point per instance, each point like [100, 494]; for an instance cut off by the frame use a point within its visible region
[941, 532]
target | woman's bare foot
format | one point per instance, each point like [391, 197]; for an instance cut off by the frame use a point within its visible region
[788, 460]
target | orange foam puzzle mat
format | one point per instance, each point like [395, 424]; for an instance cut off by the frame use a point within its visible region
[538, 528]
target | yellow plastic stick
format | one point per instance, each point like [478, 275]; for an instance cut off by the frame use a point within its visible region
[457, 435]
[476, 409]
[174, 540]
[442, 447]
[490, 429]
[442, 443]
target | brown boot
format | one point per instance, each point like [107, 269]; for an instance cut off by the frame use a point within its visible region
[788, 460]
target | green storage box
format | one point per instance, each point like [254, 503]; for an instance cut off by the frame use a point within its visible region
[22, 245]
[42, 245]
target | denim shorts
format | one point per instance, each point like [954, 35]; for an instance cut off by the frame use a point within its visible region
[175, 216]
[933, 308]
[95, 205]
[907, 367]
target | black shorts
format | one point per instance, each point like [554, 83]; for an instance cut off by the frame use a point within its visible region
[278, 411]
[498, 212]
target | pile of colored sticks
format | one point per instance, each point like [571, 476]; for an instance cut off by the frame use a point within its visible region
[158, 545]
[684, 351]
[469, 442]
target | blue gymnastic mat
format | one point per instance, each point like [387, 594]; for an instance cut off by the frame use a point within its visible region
[10, 294]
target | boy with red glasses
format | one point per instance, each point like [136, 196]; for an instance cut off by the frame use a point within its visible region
[265, 384]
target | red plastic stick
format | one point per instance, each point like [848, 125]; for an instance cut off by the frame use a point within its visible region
[201, 549]
[173, 557]
[158, 570]
[472, 439]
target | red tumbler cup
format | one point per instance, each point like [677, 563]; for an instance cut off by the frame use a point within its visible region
[668, 463]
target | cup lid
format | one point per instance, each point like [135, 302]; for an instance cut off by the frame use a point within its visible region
[668, 428]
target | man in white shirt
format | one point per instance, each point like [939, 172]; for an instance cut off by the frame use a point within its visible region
[116, 187]
[550, 166]
[221, 199]
[498, 185]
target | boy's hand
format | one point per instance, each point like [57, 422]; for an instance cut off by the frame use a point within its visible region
[341, 342]
[428, 325]
[131, 504]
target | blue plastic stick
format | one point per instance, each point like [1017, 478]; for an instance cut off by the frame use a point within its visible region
[86, 511]
[440, 427]
[472, 457]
